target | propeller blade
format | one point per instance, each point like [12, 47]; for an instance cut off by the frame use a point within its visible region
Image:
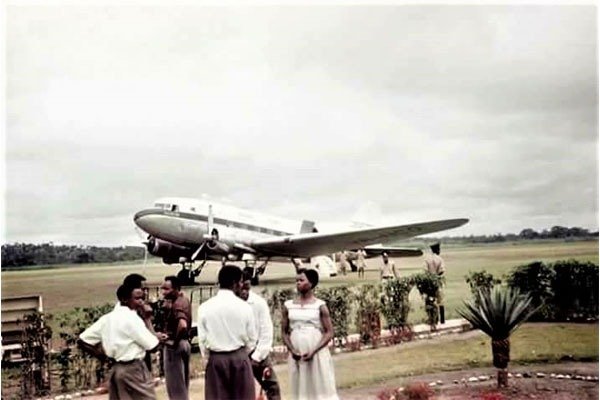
[197, 252]
[145, 260]
[210, 220]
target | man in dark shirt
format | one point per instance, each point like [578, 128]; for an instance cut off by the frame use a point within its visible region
[178, 321]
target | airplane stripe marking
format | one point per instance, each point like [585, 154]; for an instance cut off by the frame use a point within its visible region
[216, 220]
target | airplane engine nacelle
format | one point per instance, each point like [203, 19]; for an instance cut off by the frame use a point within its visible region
[218, 247]
[167, 250]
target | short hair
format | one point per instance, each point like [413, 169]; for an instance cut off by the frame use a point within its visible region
[134, 280]
[248, 273]
[311, 274]
[124, 292]
[174, 281]
[435, 248]
[229, 275]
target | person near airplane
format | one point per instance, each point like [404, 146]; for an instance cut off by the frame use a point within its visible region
[122, 337]
[435, 264]
[262, 366]
[177, 350]
[344, 265]
[145, 312]
[361, 263]
[307, 330]
[226, 335]
[388, 268]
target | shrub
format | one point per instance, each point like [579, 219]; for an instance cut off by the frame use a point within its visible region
[275, 301]
[481, 281]
[536, 280]
[575, 289]
[492, 396]
[338, 302]
[428, 285]
[395, 304]
[368, 320]
[34, 348]
[418, 391]
[77, 368]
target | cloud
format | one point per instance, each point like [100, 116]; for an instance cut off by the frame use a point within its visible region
[385, 114]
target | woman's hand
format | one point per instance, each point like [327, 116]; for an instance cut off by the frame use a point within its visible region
[308, 356]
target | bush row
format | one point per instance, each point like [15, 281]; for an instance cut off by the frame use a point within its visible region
[566, 290]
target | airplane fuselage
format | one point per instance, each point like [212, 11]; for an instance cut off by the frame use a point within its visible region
[185, 222]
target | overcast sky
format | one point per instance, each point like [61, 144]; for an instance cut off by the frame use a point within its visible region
[378, 114]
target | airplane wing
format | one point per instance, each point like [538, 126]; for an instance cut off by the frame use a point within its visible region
[375, 251]
[313, 244]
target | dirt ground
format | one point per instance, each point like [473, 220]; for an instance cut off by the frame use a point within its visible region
[545, 388]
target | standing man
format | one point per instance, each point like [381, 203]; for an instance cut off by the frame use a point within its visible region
[435, 264]
[124, 339]
[137, 281]
[178, 321]
[261, 363]
[361, 263]
[227, 334]
[344, 265]
[388, 269]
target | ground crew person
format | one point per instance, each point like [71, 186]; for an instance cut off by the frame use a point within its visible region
[435, 264]
[388, 268]
[360, 262]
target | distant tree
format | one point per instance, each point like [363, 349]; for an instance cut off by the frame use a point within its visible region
[528, 234]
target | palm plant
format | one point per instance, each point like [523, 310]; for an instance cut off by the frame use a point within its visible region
[498, 313]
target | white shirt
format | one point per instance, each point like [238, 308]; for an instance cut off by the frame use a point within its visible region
[263, 324]
[122, 333]
[225, 323]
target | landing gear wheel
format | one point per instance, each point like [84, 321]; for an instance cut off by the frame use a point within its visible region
[186, 277]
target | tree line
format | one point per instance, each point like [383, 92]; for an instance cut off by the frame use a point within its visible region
[556, 232]
[27, 254]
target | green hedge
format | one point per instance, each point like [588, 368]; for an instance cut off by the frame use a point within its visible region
[566, 290]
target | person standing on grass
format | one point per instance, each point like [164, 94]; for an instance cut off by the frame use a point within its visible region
[388, 268]
[434, 264]
[361, 263]
[261, 362]
[307, 330]
[121, 337]
[177, 350]
[137, 281]
[227, 334]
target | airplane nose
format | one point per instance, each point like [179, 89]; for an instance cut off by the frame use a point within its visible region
[143, 220]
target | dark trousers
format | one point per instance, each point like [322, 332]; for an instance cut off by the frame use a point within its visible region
[177, 370]
[131, 381]
[268, 384]
[229, 376]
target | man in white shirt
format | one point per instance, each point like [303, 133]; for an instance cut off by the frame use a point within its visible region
[261, 363]
[124, 339]
[227, 334]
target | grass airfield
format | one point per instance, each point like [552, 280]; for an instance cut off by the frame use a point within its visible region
[66, 287]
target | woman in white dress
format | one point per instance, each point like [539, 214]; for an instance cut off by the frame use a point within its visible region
[307, 330]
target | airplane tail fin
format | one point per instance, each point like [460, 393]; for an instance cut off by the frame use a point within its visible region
[308, 227]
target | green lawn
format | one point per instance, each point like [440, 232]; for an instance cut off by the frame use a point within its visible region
[529, 344]
[66, 287]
